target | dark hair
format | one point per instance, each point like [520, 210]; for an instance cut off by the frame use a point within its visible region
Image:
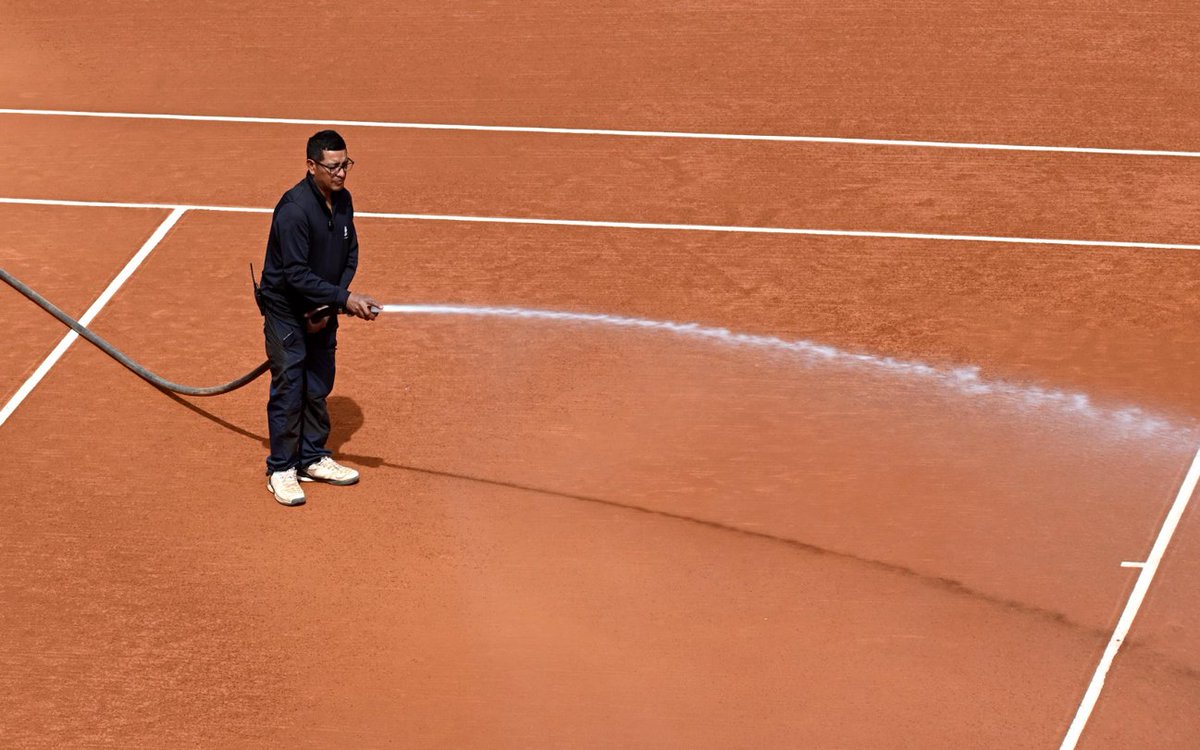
[325, 140]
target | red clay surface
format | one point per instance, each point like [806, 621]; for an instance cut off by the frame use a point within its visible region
[1080, 73]
[839, 187]
[566, 535]
[997, 305]
[579, 536]
[69, 255]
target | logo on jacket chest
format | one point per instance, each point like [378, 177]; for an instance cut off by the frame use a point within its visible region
[345, 233]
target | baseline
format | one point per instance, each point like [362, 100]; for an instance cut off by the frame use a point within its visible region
[604, 132]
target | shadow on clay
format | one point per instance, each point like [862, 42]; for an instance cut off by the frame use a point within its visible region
[347, 417]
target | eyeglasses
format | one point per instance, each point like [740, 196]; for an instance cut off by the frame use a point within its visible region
[335, 168]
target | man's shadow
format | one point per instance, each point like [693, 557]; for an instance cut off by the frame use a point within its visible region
[347, 418]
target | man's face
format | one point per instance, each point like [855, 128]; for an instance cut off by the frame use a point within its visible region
[330, 172]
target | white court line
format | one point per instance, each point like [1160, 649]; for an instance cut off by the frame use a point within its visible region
[640, 225]
[597, 131]
[91, 313]
[1134, 604]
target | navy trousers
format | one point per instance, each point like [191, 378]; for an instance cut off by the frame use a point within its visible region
[302, 371]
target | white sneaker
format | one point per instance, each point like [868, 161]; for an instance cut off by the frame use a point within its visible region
[329, 471]
[286, 489]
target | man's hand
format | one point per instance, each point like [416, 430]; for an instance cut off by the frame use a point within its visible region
[316, 320]
[362, 306]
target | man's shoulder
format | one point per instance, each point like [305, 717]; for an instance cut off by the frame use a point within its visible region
[294, 203]
[298, 194]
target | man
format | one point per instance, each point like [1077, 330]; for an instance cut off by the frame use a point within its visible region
[312, 253]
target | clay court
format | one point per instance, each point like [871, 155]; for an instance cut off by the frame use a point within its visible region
[755, 375]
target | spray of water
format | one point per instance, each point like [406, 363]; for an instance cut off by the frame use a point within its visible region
[1127, 422]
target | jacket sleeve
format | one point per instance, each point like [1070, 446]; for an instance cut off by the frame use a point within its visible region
[351, 257]
[292, 226]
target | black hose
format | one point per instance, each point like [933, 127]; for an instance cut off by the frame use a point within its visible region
[116, 354]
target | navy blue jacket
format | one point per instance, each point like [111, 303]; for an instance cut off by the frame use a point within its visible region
[312, 252]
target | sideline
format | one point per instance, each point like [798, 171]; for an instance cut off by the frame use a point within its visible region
[1149, 568]
[86, 319]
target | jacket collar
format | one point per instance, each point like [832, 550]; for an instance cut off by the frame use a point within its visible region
[335, 199]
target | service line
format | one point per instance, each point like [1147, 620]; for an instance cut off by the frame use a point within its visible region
[641, 225]
[87, 317]
[1149, 568]
[602, 132]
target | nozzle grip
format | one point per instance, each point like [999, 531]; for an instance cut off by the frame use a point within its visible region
[324, 311]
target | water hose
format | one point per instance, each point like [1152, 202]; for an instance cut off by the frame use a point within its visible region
[112, 351]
